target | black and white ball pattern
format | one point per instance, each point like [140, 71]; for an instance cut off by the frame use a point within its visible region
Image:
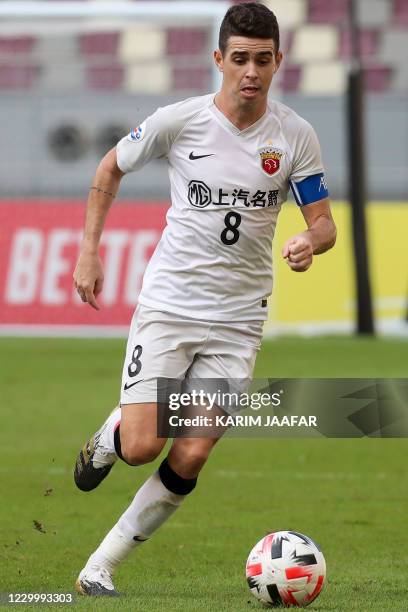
[286, 568]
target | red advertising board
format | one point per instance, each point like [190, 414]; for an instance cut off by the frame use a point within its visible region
[39, 245]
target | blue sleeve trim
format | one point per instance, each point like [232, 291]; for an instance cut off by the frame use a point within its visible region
[311, 189]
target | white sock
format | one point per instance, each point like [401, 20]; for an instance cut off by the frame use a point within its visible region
[106, 452]
[152, 506]
[112, 550]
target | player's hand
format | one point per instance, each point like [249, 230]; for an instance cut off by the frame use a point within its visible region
[88, 278]
[298, 252]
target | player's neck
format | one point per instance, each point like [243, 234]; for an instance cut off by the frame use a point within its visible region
[242, 116]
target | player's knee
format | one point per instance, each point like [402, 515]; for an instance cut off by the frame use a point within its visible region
[138, 452]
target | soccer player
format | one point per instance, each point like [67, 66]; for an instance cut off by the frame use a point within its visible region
[232, 156]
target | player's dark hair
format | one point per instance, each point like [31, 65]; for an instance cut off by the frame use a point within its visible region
[249, 19]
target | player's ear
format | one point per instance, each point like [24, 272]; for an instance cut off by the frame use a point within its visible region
[278, 60]
[219, 62]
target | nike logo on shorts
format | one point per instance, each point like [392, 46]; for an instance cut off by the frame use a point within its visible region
[192, 156]
[127, 386]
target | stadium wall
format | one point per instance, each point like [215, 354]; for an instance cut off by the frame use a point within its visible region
[39, 245]
[31, 168]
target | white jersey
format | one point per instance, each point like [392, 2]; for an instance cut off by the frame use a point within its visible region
[214, 259]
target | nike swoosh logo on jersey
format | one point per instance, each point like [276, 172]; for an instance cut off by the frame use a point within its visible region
[126, 387]
[192, 156]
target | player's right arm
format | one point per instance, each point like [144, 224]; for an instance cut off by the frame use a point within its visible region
[88, 274]
[151, 140]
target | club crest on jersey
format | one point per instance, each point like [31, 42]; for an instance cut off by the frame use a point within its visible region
[271, 159]
[137, 134]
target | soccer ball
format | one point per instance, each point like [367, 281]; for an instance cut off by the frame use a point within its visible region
[286, 568]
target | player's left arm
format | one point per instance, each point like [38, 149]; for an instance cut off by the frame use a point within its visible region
[319, 237]
[308, 184]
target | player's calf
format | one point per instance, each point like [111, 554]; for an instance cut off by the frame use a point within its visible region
[188, 455]
[140, 451]
[136, 440]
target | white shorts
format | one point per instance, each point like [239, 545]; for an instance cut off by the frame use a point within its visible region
[166, 345]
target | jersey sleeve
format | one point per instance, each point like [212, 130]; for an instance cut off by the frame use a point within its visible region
[307, 179]
[152, 139]
[307, 160]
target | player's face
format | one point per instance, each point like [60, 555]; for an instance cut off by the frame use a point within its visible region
[248, 66]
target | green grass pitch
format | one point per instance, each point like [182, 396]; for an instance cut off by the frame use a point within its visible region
[349, 495]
